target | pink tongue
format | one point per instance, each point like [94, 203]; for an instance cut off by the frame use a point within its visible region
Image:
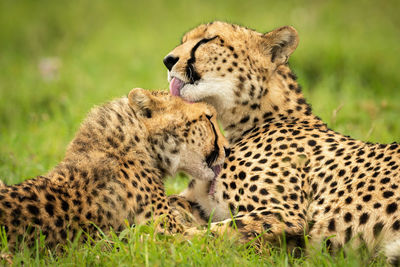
[211, 191]
[175, 86]
[216, 169]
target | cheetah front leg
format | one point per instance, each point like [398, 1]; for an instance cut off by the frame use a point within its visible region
[184, 212]
[157, 209]
[266, 225]
[167, 218]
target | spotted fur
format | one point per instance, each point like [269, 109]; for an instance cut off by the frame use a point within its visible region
[113, 171]
[287, 171]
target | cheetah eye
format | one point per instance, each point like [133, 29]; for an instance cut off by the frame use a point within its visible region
[209, 116]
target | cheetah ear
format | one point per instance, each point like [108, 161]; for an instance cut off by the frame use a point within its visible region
[281, 43]
[141, 101]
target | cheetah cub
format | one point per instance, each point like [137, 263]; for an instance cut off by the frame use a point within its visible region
[114, 168]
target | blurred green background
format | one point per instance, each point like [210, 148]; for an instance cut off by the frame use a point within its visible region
[59, 58]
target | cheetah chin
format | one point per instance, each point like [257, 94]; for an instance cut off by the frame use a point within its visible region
[217, 91]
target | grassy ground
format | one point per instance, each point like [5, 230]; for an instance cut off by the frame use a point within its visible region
[59, 58]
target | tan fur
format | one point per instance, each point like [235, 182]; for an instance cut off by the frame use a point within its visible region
[113, 171]
[287, 172]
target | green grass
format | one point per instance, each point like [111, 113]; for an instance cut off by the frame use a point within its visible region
[140, 246]
[348, 63]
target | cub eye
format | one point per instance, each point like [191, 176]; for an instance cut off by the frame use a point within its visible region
[209, 116]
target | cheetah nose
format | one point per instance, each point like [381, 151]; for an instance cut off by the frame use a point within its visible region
[170, 61]
[227, 152]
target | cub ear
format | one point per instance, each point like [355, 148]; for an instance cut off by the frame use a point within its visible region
[280, 43]
[141, 101]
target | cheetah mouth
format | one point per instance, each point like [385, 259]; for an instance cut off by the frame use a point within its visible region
[216, 169]
[175, 86]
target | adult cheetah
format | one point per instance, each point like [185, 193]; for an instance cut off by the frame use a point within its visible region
[113, 170]
[287, 171]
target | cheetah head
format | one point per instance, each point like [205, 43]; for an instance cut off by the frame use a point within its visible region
[182, 136]
[224, 64]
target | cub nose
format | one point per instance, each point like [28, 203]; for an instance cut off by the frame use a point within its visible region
[170, 61]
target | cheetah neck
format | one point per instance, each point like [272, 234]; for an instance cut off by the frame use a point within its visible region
[276, 97]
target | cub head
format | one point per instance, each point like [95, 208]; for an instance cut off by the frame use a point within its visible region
[225, 64]
[182, 136]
